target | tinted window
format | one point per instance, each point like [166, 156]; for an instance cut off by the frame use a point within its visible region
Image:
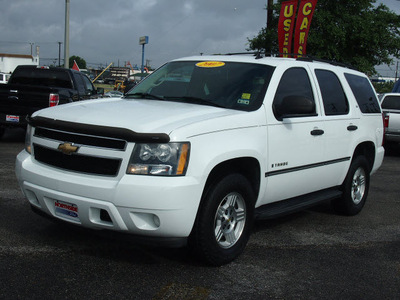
[230, 85]
[88, 84]
[294, 82]
[364, 94]
[41, 77]
[333, 96]
[391, 102]
[79, 84]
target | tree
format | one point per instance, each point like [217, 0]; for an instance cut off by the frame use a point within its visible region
[354, 32]
[79, 60]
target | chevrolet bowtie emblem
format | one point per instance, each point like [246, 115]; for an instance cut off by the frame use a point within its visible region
[68, 148]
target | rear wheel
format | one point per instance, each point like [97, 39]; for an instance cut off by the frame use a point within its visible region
[355, 188]
[224, 221]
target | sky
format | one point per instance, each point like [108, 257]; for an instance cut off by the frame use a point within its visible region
[104, 31]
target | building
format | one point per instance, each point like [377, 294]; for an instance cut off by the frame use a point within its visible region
[8, 62]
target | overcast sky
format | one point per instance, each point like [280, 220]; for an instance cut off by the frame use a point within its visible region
[104, 31]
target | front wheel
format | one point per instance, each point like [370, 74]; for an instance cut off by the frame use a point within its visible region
[355, 188]
[224, 220]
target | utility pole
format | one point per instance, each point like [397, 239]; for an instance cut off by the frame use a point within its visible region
[66, 36]
[59, 54]
[269, 13]
[397, 69]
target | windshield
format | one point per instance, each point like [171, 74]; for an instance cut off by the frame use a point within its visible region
[231, 85]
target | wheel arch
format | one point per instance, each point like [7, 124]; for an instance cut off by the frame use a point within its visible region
[366, 149]
[249, 167]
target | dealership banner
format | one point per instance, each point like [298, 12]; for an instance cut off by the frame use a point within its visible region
[285, 27]
[304, 16]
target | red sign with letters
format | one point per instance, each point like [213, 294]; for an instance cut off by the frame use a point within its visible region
[304, 16]
[285, 27]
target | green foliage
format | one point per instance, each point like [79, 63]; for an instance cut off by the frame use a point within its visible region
[354, 32]
[385, 87]
[79, 60]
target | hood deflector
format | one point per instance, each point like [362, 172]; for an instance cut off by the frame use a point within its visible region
[103, 131]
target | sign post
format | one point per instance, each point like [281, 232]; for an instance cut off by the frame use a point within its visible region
[143, 40]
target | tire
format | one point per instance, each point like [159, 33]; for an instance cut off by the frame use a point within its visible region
[224, 221]
[2, 130]
[355, 188]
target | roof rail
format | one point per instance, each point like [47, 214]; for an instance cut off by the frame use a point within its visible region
[297, 56]
[332, 62]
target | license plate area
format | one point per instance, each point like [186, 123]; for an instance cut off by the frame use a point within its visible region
[66, 210]
[12, 118]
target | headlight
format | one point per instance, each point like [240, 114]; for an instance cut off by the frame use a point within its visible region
[159, 159]
[28, 144]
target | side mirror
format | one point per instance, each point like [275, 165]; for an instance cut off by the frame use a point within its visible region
[294, 106]
[100, 91]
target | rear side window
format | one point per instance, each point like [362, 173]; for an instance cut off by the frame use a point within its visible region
[41, 77]
[333, 96]
[80, 85]
[364, 94]
[391, 102]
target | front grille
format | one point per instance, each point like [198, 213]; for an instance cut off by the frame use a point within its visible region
[95, 141]
[77, 162]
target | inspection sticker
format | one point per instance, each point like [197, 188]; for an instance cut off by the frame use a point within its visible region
[66, 210]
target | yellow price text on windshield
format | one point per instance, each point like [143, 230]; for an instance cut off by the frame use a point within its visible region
[210, 64]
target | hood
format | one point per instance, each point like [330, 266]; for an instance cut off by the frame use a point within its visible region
[146, 116]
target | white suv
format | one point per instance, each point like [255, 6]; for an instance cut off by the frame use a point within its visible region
[204, 146]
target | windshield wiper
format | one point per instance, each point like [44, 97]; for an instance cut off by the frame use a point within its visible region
[144, 96]
[195, 100]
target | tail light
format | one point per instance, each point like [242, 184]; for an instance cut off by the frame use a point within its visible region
[385, 121]
[53, 100]
[385, 117]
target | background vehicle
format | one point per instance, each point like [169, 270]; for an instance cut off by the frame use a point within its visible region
[4, 78]
[31, 88]
[396, 87]
[113, 94]
[391, 109]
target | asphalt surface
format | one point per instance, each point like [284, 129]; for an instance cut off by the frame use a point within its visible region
[314, 254]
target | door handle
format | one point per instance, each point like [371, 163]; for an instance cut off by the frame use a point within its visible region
[317, 132]
[352, 127]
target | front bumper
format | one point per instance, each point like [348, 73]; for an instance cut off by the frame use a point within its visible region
[142, 205]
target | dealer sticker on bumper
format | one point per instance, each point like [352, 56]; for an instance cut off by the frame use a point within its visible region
[66, 210]
[12, 118]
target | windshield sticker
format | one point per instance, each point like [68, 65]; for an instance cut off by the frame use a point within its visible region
[210, 64]
[243, 101]
[246, 96]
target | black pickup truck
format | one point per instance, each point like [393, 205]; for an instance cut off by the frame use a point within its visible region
[31, 88]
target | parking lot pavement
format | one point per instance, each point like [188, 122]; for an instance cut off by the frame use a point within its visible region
[314, 254]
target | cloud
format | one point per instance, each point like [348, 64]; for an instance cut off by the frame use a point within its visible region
[103, 31]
